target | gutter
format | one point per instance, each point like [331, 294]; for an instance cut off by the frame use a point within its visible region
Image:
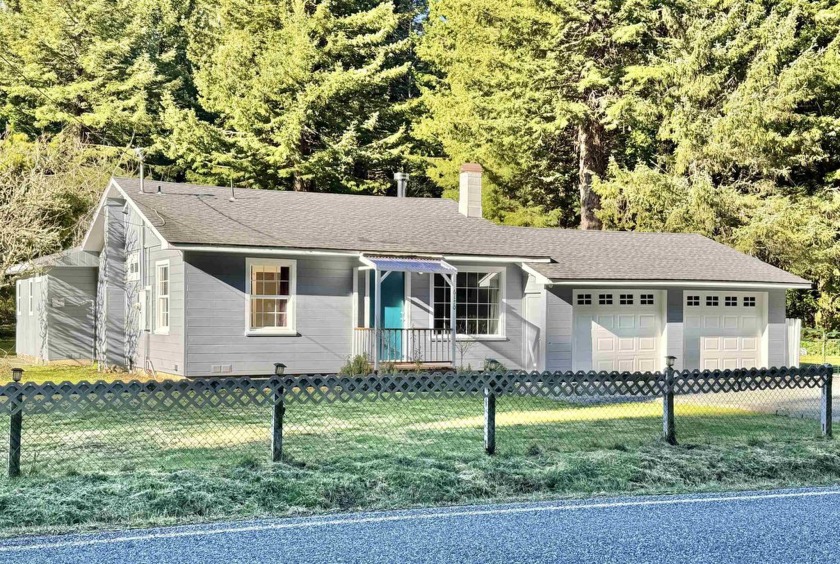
[687, 283]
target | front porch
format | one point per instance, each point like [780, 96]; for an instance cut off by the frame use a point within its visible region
[405, 348]
[387, 335]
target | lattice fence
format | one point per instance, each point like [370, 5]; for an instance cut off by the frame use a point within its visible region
[123, 426]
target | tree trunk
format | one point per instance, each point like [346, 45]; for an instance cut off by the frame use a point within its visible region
[592, 151]
[305, 150]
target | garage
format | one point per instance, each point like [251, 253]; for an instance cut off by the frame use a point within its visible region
[723, 330]
[618, 330]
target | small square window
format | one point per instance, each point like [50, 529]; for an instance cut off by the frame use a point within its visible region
[712, 301]
[692, 300]
[646, 299]
[730, 301]
[605, 299]
[625, 299]
[584, 299]
[749, 301]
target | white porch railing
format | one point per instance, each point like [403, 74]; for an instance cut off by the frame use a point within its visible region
[424, 346]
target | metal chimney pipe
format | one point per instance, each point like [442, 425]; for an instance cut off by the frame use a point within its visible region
[402, 183]
[139, 152]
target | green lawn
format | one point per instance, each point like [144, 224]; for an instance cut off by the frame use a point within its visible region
[7, 345]
[815, 359]
[172, 466]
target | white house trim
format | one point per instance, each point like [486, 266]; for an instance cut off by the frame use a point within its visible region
[682, 283]
[500, 259]
[502, 334]
[264, 251]
[291, 310]
[540, 278]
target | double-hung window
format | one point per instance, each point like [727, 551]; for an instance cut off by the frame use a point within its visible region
[270, 287]
[478, 303]
[162, 286]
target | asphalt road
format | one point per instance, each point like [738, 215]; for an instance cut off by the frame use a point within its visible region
[780, 526]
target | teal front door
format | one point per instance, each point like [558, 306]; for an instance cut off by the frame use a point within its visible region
[392, 303]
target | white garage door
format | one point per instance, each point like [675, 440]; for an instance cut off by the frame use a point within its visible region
[618, 330]
[723, 329]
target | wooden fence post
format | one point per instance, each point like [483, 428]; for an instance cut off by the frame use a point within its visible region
[826, 402]
[669, 428]
[277, 426]
[15, 432]
[489, 421]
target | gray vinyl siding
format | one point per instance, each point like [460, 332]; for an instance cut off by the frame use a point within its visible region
[215, 313]
[507, 349]
[111, 338]
[558, 350]
[153, 349]
[776, 328]
[674, 333]
[70, 305]
[54, 331]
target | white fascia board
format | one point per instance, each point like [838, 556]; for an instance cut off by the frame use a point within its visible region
[263, 251]
[683, 283]
[540, 278]
[501, 260]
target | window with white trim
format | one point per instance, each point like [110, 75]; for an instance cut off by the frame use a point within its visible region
[605, 299]
[162, 287]
[730, 301]
[271, 294]
[646, 299]
[625, 299]
[712, 301]
[692, 300]
[584, 299]
[31, 296]
[749, 301]
[132, 266]
[478, 303]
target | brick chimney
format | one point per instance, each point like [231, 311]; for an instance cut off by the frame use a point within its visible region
[469, 198]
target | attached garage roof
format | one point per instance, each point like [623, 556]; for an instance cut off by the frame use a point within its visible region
[74, 257]
[204, 216]
[622, 256]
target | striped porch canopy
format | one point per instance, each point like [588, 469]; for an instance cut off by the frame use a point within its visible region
[409, 264]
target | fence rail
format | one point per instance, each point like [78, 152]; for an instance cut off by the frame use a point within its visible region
[184, 421]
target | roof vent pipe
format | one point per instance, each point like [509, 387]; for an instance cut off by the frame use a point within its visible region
[402, 183]
[159, 190]
[139, 152]
[232, 194]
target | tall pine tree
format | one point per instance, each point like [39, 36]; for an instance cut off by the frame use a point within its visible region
[101, 67]
[299, 94]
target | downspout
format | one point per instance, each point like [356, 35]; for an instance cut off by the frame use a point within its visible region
[453, 279]
[376, 316]
[144, 282]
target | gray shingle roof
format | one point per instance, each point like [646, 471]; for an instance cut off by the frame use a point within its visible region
[188, 214]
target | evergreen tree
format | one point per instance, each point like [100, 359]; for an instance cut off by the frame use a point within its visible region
[298, 94]
[100, 66]
[541, 92]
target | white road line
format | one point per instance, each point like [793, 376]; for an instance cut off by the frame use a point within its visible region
[412, 517]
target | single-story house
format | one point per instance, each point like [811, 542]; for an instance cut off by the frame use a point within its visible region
[204, 281]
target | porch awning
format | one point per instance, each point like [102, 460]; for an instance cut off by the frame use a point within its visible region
[409, 264]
